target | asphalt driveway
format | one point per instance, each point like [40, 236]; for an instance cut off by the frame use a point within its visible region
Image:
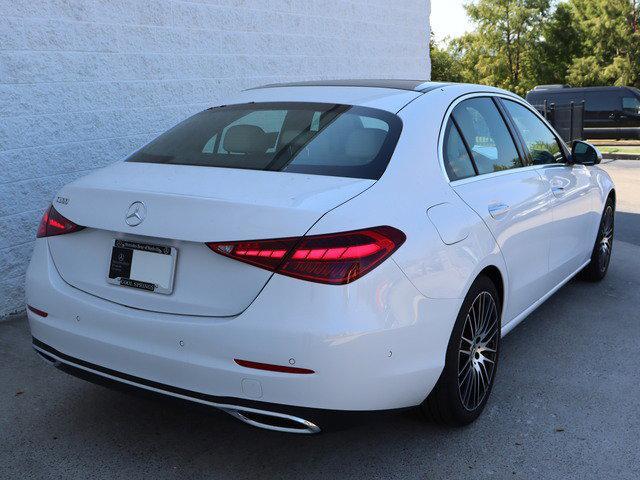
[566, 405]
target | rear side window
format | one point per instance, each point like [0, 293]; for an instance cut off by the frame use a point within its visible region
[631, 104]
[602, 101]
[486, 135]
[311, 138]
[541, 142]
[457, 161]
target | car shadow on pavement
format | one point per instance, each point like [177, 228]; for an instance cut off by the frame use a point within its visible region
[628, 227]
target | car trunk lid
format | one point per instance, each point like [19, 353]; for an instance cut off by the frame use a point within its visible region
[183, 207]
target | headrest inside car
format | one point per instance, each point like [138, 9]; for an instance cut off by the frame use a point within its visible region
[247, 139]
[365, 142]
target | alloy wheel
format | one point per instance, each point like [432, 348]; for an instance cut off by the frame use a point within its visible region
[478, 350]
[606, 239]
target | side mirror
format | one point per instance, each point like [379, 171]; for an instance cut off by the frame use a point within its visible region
[585, 154]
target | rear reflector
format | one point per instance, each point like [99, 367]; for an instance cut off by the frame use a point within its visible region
[336, 258]
[272, 368]
[53, 223]
[42, 313]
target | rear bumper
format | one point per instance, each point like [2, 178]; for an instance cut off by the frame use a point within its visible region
[271, 416]
[376, 344]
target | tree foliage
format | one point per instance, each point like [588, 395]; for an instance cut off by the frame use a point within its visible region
[443, 65]
[518, 44]
[610, 43]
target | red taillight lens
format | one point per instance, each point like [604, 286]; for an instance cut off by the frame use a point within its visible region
[261, 253]
[336, 258]
[37, 311]
[273, 368]
[53, 223]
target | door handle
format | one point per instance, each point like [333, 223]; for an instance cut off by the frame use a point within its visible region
[557, 190]
[497, 210]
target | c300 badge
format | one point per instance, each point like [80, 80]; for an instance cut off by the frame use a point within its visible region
[62, 200]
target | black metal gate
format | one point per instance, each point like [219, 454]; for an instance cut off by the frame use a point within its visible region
[568, 120]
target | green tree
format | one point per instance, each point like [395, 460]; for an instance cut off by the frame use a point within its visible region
[610, 43]
[498, 51]
[559, 43]
[518, 44]
[444, 65]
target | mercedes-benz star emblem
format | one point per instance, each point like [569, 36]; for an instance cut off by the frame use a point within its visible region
[136, 214]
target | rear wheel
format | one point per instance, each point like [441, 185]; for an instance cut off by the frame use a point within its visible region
[472, 357]
[601, 255]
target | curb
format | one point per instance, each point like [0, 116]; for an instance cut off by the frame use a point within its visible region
[620, 156]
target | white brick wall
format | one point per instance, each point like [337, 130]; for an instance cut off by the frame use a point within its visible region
[85, 82]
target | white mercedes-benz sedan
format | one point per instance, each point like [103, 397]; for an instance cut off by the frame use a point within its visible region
[320, 247]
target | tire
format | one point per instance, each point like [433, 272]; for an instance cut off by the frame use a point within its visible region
[602, 249]
[457, 403]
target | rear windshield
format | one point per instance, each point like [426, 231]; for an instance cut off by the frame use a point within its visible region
[313, 138]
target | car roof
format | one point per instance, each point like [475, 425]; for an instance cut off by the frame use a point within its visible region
[421, 86]
[386, 94]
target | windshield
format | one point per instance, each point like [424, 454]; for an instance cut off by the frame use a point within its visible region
[313, 138]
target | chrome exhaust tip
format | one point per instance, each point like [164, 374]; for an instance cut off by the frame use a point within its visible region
[278, 422]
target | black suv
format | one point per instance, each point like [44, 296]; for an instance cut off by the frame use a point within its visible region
[610, 112]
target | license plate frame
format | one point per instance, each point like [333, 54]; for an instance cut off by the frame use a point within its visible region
[146, 260]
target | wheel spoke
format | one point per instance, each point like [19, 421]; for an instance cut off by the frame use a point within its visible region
[472, 387]
[488, 319]
[487, 309]
[481, 376]
[472, 323]
[476, 316]
[467, 378]
[467, 391]
[494, 313]
[492, 332]
[488, 304]
[487, 372]
[476, 398]
[487, 377]
[467, 367]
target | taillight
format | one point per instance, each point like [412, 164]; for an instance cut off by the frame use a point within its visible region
[336, 258]
[53, 223]
[37, 311]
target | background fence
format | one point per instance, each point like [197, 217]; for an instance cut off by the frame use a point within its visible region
[568, 120]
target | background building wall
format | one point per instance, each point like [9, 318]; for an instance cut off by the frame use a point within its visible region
[85, 82]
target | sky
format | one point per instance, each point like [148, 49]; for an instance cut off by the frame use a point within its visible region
[448, 19]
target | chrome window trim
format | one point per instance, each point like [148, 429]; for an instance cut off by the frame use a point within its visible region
[484, 176]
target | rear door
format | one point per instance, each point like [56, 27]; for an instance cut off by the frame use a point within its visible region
[513, 201]
[571, 187]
